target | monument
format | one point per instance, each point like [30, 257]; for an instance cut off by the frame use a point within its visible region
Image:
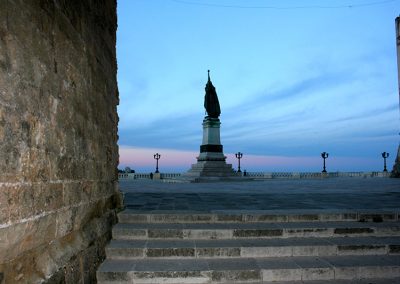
[396, 167]
[211, 163]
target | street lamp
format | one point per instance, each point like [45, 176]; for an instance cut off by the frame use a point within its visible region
[157, 157]
[384, 156]
[324, 156]
[239, 156]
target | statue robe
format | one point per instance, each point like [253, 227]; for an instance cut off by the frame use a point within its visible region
[211, 102]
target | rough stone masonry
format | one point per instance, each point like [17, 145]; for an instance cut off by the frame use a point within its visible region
[58, 138]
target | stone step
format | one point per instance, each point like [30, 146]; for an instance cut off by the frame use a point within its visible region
[337, 281]
[253, 270]
[253, 230]
[223, 216]
[133, 249]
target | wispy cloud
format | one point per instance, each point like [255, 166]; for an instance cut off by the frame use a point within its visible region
[142, 160]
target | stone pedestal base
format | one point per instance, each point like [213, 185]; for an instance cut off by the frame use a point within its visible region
[211, 163]
[211, 169]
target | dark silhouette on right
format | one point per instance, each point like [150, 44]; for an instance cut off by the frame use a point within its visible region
[396, 167]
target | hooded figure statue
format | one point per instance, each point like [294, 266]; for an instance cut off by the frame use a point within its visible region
[211, 102]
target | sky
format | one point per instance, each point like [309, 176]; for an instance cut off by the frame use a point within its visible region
[294, 78]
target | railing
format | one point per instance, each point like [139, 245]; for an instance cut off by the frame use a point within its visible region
[314, 175]
[170, 175]
[268, 175]
[148, 176]
[287, 175]
[364, 174]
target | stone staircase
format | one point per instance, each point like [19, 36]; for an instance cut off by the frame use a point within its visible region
[246, 247]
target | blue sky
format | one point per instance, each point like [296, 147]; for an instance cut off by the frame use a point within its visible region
[294, 79]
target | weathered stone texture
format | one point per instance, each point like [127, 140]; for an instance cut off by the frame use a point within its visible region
[58, 138]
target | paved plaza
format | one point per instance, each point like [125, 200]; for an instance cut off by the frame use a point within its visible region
[319, 194]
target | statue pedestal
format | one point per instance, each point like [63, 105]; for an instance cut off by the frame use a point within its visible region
[211, 163]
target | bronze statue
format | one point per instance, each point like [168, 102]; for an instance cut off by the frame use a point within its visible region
[211, 102]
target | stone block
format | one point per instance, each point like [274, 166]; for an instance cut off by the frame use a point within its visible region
[13, 195]
[330, 217]
[125, 253]
[265, 218]
[229, 218]
[387, 230]
[180, 218]
[271, 275]
[353, 231]
[320, 273]
[257, 233]
[45, 264]
[268, 251]
[4, 208]
[379, 271]
[4, 244]
[218, 252]
[170, 252]
[350, 217]
[171, 277]
[165, 233]
[308, 232]
[350, 273]
[394, 249]
[133, 218]
[65, 222]
[357, 249]
[129, 234]
[48, 197]
[303, 217]
[314, 250]
[210, 234]
[27, 235]
[73, 194]
[231, 276]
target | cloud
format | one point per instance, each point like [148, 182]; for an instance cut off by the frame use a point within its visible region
[142, 160]
[376, 111]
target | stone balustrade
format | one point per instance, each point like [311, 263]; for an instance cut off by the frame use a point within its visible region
[147, 176]
[273, 175]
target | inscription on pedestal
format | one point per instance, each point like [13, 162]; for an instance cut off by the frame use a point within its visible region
[211, 148]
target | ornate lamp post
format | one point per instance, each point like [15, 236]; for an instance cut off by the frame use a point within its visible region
[384, 156]
[157, 157]
[324, 156]
[239, 156]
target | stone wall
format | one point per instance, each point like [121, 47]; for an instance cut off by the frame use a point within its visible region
[58, 138]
